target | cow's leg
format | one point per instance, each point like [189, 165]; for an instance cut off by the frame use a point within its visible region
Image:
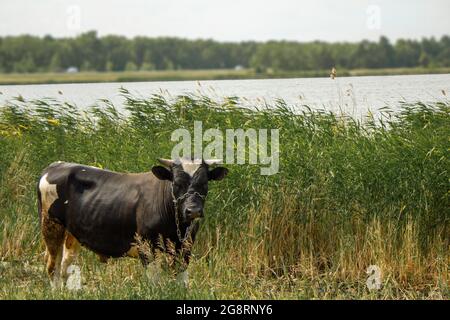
[52, 230]
[70, 252]
[151, 261]
[185, 250]
[46, 255]
[145, 250]
[144, 259]
[183, 274]
[53, 234]
[102, 258]
[185, 256]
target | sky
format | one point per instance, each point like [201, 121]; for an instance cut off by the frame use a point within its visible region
[232, 20]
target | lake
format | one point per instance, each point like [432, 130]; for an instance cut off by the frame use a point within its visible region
[352, 95]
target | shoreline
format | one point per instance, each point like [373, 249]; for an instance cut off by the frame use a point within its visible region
[197, 75]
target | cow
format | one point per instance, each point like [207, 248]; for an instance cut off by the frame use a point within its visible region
[106, 211]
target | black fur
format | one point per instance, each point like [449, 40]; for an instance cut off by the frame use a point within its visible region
[104, 210]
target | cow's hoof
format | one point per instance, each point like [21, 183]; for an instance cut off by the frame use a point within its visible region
[56, 284]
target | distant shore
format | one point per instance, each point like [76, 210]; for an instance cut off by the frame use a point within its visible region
[210, 74]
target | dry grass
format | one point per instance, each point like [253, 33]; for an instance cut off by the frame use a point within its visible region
[349, 195]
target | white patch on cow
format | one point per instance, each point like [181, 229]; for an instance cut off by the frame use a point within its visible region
[190, 167]
[183, 278]
[83, 170]
[66, 202]
[48, 193]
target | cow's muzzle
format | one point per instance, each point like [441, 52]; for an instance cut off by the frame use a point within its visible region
[192, 213]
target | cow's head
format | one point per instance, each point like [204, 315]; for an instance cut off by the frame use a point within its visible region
[190, 183]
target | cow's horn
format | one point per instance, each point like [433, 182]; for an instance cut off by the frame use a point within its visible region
[211, 162]
[166, 162]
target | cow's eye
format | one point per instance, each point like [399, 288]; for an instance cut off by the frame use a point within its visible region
[178, 186]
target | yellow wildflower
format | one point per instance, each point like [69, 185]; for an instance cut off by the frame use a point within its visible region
[53, 122]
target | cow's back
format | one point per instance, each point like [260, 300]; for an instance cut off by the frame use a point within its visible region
[96, 206]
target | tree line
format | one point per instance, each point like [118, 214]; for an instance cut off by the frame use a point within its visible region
[89, 52]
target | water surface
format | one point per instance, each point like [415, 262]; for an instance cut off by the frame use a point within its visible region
[352, 95]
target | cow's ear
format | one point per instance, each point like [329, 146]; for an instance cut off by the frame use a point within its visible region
[162, 173]
[217, 173]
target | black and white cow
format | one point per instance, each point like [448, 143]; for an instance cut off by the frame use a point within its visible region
[104, 211]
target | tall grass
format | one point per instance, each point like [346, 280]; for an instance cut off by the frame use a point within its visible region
[349, 194]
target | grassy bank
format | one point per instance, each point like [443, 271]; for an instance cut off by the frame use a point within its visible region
[348, 195]
[179, 75]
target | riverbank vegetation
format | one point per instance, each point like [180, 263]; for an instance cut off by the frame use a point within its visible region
[349, 194]
[196, 75]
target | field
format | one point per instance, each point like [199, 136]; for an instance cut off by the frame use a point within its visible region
[211, 74]
[349, 194]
